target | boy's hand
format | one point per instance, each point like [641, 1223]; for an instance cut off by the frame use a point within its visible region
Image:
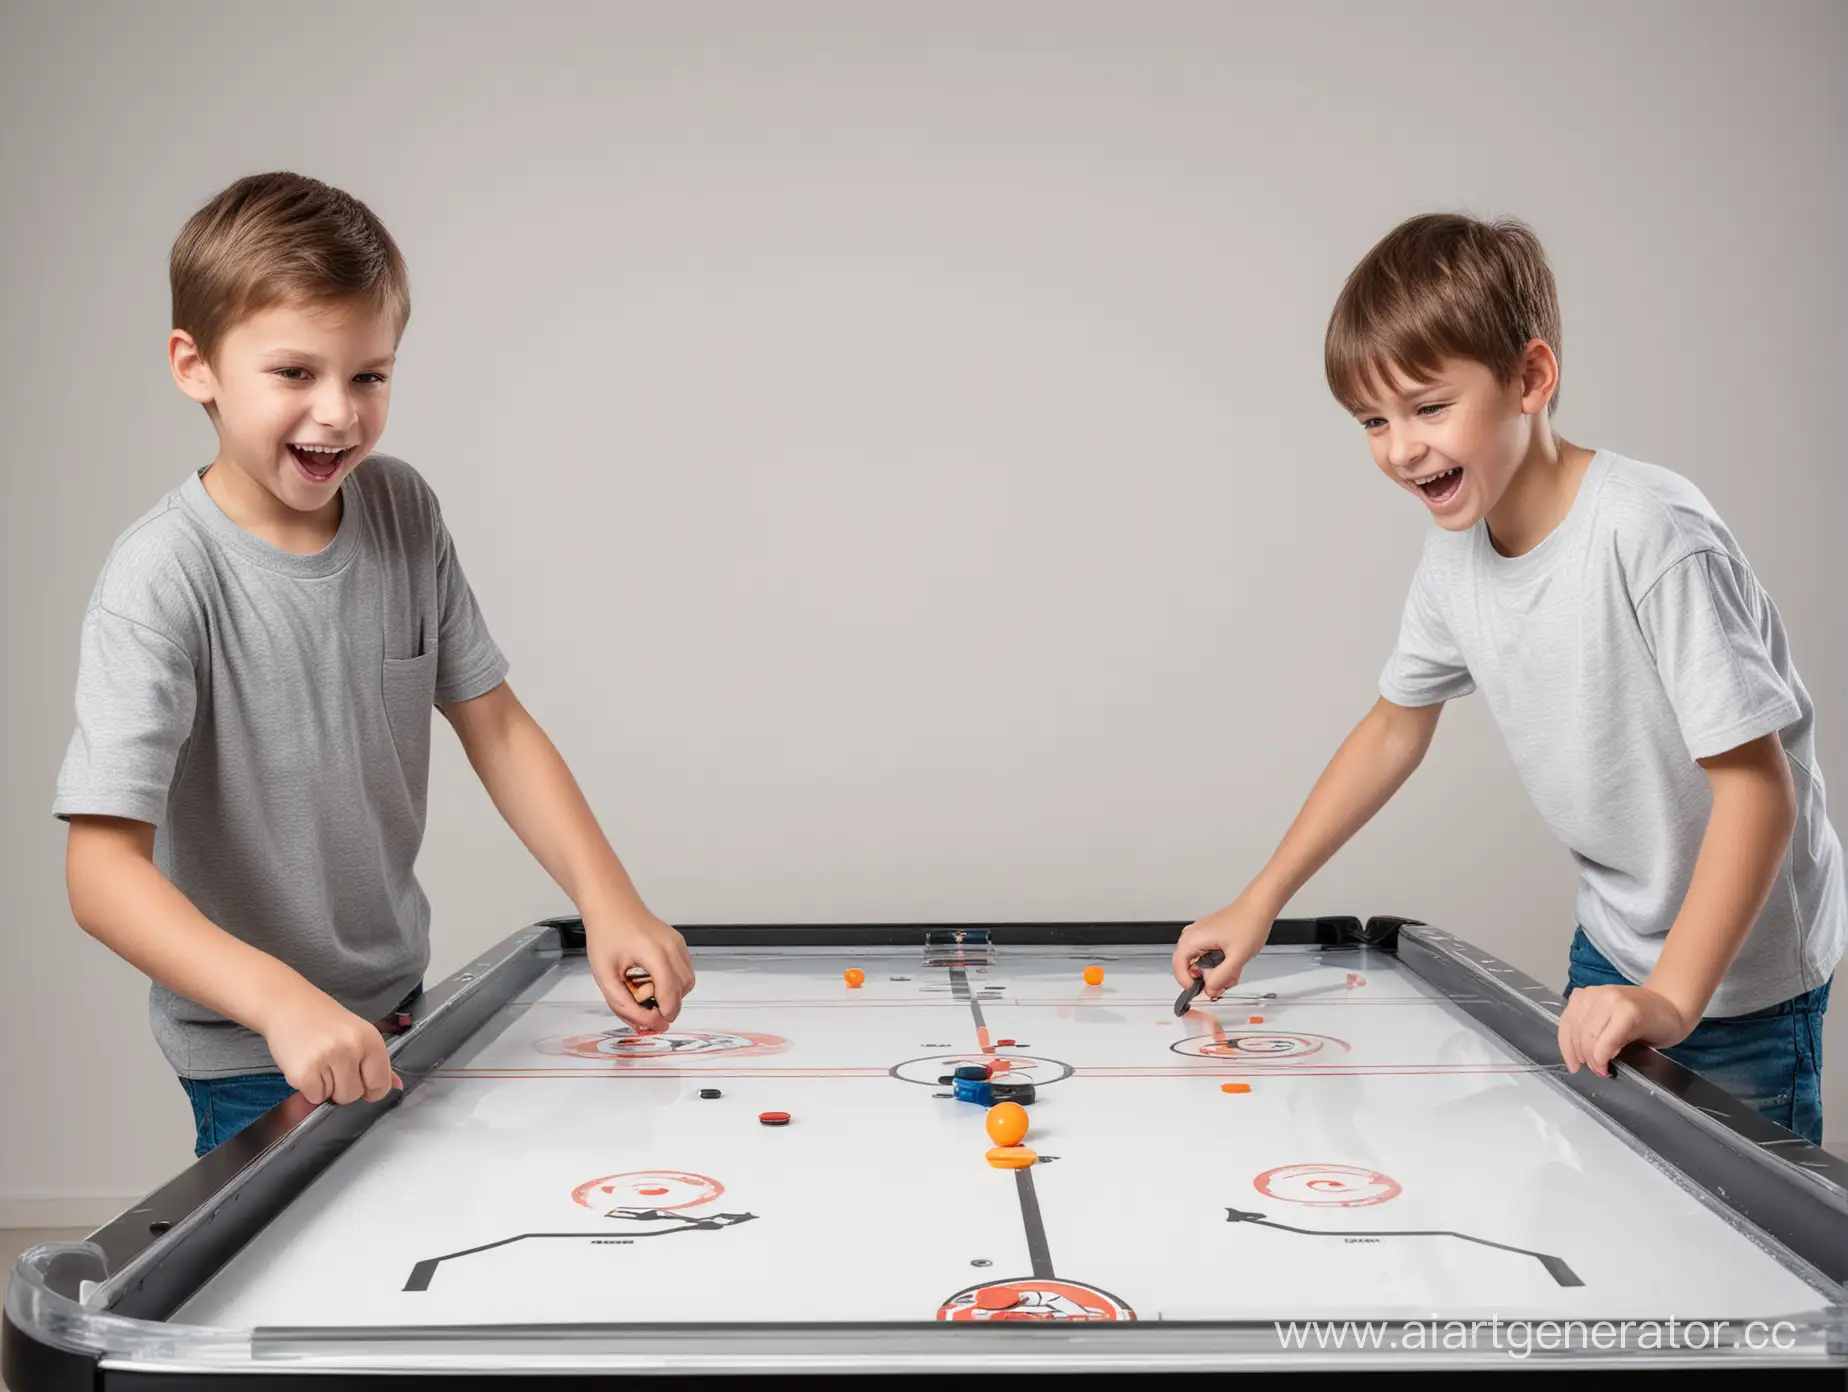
[1599, 1020]
[1238, 930]
[618, 940]
[326, 1051]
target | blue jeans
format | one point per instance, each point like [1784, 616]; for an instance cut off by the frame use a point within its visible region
[1771, 1059]
[222, 1107]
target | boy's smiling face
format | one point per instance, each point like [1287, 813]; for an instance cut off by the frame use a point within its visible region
[1455, 441]
[299, 395]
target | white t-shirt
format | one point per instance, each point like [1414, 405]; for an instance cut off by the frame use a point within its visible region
[1630, 642]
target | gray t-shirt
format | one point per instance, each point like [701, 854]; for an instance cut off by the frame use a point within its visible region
[1633, 640]
[270, 714]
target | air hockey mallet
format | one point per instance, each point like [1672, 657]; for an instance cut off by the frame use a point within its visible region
[1212, 957]
[641, 986]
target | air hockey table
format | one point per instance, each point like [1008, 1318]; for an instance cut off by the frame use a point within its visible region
[1363, 1163]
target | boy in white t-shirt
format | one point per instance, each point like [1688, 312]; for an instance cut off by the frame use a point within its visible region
[1639, 673]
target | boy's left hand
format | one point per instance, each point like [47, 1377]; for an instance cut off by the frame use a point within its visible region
[617, 940]
[1599, 1020]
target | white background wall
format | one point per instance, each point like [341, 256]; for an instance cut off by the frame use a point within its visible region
[890, 439]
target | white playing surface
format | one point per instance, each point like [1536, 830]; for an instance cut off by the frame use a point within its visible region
[1380, 1119]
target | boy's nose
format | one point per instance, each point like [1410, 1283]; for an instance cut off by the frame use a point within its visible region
[334, 409]
[1402, 451]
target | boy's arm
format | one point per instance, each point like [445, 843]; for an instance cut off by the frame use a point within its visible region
[534, 791]
[119, 896]
[1373, 762]
[1748, 830]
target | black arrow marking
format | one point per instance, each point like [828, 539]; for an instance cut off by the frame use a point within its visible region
[1555, 1266]
[424, 1270]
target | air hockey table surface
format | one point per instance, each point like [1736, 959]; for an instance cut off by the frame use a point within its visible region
[1403, 1177]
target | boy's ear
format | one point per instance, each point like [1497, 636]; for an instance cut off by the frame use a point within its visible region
[1539, 376]
[191, 373]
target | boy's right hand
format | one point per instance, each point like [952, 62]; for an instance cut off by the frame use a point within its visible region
[1238, 930]
[326, 1052]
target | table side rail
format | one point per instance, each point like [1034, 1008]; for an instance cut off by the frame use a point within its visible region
[146, 1262]
[1794, 1341]
[1793, 1192]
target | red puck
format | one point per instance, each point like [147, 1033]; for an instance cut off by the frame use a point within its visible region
[1004, 1043]
[774, 1118]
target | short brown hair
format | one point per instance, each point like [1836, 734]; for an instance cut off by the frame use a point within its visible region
[281, 238]
[1440, 286]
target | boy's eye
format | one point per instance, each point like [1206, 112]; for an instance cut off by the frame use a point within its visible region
[1371, 423]
[1432, 407]
[300, 374]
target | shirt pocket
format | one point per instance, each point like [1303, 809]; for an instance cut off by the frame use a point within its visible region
[410, 696]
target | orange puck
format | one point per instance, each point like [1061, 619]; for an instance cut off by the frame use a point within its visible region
[996, 1298]
[1011, 1157]
[1235, 1087]
[1254, 1019]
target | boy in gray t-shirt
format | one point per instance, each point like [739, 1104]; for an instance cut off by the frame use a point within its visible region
[1636, 668]
[246, 785]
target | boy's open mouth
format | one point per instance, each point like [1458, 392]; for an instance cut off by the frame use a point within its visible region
[319, 462]
[1441, 487]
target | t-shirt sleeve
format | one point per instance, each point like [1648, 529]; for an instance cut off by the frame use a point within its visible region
[1426, 665]
[136, 698]
[469, 663]
[1703, 623]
